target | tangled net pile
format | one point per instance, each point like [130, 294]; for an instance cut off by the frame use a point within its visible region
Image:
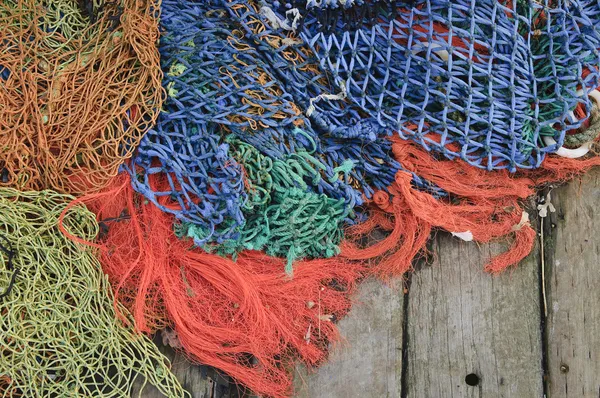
[240, 142]
[290, 132]
[77, 91]
[59, 333]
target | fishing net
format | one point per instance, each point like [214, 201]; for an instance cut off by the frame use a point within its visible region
[59, 333]
[250, 320]
[246, 318]
[80, 83]
[232, 152]
[314, 129]
[292, 133]
[497, 78]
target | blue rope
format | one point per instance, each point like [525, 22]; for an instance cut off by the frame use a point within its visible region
[204, 182]
[493, 96]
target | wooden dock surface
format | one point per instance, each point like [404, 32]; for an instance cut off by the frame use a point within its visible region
[451, 330]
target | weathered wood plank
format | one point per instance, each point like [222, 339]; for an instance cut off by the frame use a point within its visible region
[369, 362]
[573, 293]
[463, 321]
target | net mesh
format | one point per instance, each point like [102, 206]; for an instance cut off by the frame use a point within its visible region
[232, 117]
[319, 88]
[79, 86]
[493, 77]
[250, 320]
[60, 336]
[246, 318]
[283, 122]
[281, 127]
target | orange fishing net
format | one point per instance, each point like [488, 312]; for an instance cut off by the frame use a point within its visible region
[79, 85]
[246, 318]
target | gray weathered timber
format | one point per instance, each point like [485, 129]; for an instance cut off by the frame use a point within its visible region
[573, 290]
[464, 321]
[369, 362]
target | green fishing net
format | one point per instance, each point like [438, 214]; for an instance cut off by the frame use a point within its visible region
[59, 331]
[283, 217]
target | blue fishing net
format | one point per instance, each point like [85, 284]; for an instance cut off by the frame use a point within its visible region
[235, 88]
[483, 80]
[278, 111]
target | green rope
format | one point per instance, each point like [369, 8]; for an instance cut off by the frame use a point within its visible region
[585, 133]
[298, 224]
[65, 17]
[257, 174]
[59, 333]
[304, 224]
[282, 216]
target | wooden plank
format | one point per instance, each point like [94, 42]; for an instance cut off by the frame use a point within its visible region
[573, 294]
[464, 322]
[369, 362]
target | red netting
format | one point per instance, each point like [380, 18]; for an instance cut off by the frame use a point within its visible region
[246, 318]
[251, 321]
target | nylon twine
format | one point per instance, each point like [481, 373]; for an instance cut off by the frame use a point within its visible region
[59, 332]
[246, 163]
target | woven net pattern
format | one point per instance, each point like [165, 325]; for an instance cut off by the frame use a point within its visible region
[59, 333]
[234, 147]
[284, 122]
[79, 86]
[244, 317]
[305, 99]
[483, 81]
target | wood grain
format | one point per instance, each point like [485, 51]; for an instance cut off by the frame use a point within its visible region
[573, 290]
[369, 362]
[463, 321]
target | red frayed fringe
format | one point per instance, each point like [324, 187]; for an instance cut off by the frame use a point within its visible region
[246, 318]
[250, 320]
[481, 203]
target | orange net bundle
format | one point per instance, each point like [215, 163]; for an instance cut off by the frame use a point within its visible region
[80, 83]
[246, 317]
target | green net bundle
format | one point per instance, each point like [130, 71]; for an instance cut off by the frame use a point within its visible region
[59, 332]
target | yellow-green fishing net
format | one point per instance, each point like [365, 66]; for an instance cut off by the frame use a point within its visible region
[59, 333]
